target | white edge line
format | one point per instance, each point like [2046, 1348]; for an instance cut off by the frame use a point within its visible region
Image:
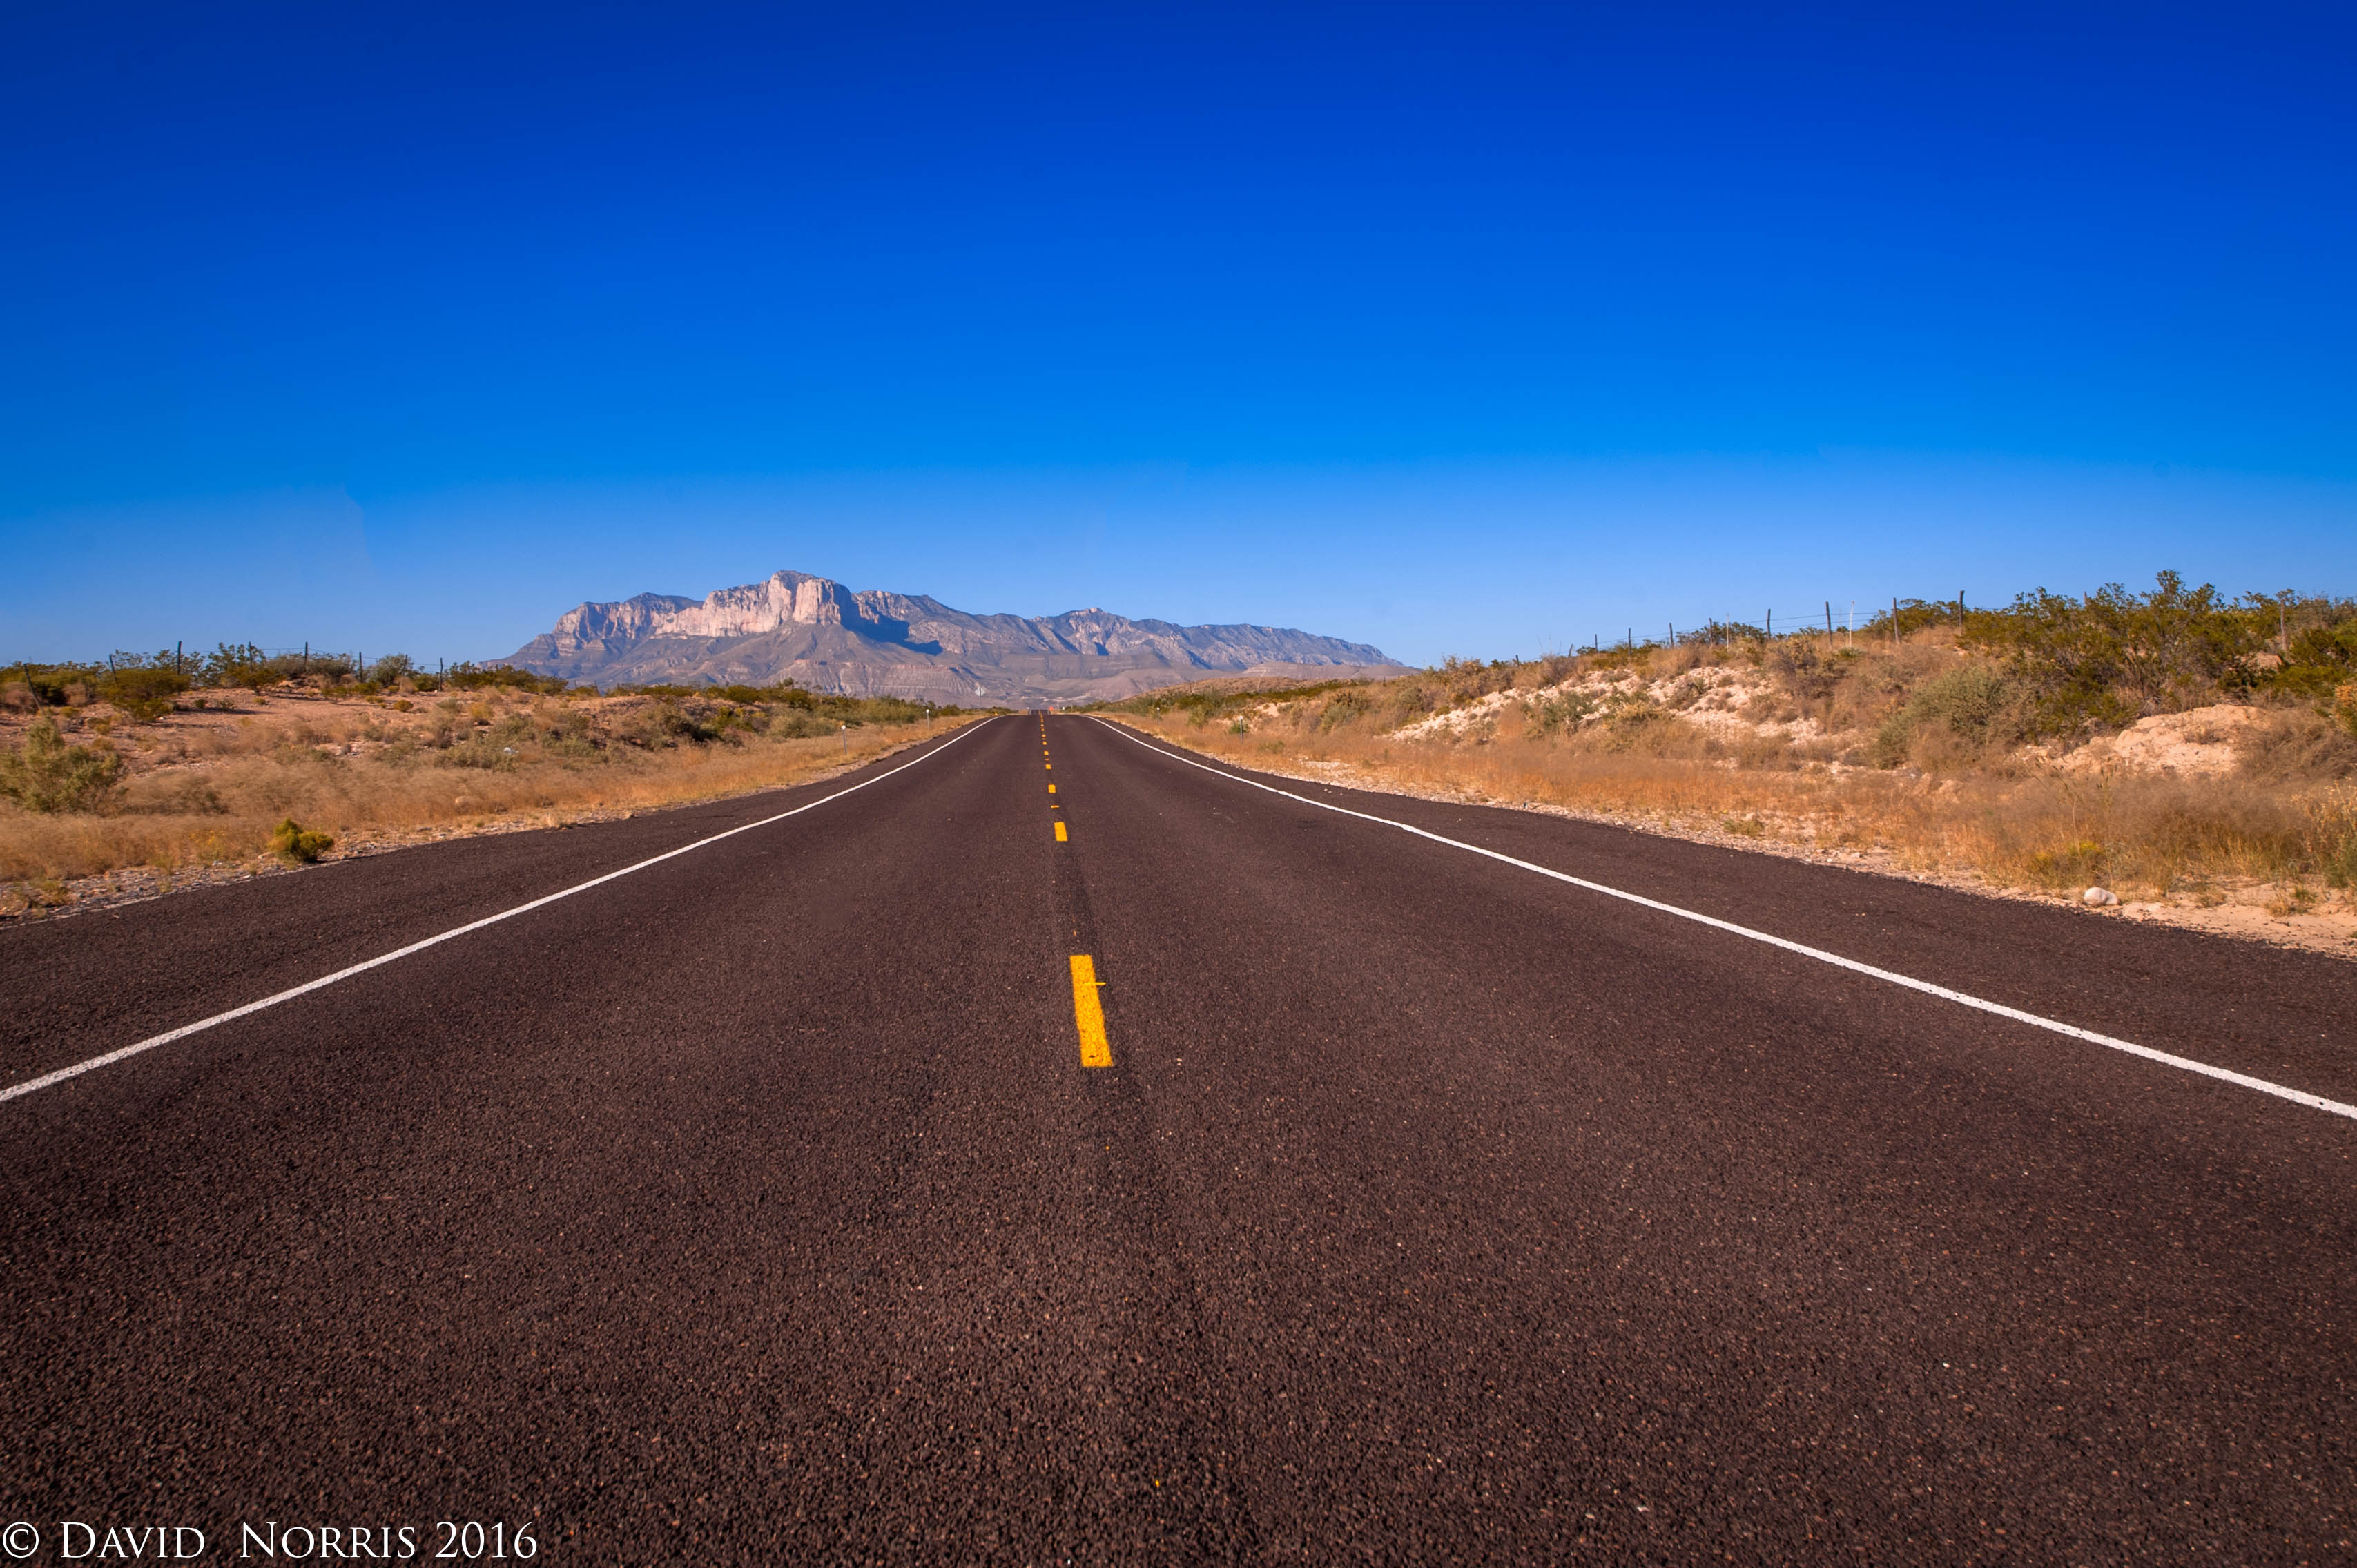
[46, 1079]
[1962, 999]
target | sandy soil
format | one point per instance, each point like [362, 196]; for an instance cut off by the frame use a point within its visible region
[1716, 697]
[2198, 741]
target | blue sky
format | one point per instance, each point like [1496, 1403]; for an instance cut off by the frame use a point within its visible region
[1455, 328]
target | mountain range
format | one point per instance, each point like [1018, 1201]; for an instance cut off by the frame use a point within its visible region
[824, 636]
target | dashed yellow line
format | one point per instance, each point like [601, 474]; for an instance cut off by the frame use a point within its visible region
[1088, 1012]
[1060, 834]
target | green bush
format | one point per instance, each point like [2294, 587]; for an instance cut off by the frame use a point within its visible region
[1970, 701]
[1893, 739]
[2319, 659]
[2072, 866]
[474, 678]
[45, 774]
[145, 691]
[1562, 715]
[1911, 616]
[238, 665]
[2334, 836]
[1974, 704]
[45, 684]
[1341, 709]
[298, 844]
[2113, 656]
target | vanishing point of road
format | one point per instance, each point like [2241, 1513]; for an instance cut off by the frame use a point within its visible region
[1043, 1146]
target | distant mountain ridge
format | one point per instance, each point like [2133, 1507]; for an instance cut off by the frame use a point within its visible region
[819, 634]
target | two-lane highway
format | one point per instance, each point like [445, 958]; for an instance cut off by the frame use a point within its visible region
[1055, 1149]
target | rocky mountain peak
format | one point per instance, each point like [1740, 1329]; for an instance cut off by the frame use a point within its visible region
[794, 626]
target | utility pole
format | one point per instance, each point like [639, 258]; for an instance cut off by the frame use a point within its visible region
[1829, 617]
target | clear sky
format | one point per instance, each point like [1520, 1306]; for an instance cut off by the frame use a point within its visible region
[1456, 329]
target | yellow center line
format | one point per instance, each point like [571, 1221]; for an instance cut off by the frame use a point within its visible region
[1060, 834]
[1051, 788]
[1089, 1012]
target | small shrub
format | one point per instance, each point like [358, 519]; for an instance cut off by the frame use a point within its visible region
[1893, 738]
[2295, 744]
[41, 893]
[45, 774]
[144, 691]
[2334, 837]
[240, 665]
[298, 844]
[1563, 714]
[474, 678]
[2294, 900]
[2073, 865]
[1341, 709]
[799, 724]
[1631, 722]
[1971, 701]
[1808, 673]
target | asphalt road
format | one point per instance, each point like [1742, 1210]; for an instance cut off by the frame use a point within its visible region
[757, 1206]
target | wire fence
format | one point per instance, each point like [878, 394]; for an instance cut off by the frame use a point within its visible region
[307, 658]
[1850, 620]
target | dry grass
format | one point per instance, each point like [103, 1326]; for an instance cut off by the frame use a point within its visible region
[2044, 830]
[207, 790]
[1888, 756]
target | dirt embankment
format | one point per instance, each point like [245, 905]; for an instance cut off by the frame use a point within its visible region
[199, 793]
[2239, 818]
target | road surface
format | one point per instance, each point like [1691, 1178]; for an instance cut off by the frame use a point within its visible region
[757, 1205]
